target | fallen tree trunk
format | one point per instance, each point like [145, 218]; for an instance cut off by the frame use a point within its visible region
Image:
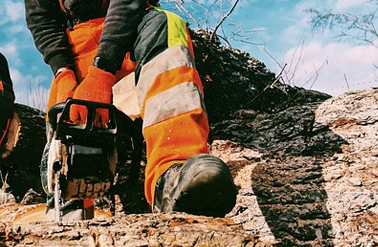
[21, 168]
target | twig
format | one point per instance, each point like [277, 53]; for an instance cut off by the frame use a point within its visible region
[223, 18]
[4, 181]
[315, 76]
[180, 5]
[269, 85]
[346, 81]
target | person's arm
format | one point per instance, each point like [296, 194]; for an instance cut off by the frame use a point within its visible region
[119, 32]
[47, 24]
[6, 84]
[118, 37]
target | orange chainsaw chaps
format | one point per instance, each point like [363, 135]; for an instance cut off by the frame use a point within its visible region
[173, 141]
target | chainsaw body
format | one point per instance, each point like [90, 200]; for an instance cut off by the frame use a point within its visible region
[82, 159]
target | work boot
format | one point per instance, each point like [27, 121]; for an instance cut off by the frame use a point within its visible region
[203, 185]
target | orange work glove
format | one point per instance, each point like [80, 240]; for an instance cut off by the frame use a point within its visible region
[66, 83]
[96, 87]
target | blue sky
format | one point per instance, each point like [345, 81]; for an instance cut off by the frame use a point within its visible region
[279, 34]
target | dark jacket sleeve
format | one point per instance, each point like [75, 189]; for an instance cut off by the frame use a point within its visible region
[5, 79]
[120, 29]
[47, 24]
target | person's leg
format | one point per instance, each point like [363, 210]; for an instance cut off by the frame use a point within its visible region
[175, 124]
[84, 39]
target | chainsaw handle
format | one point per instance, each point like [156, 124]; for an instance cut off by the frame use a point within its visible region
[91, 114]
[83, 133]
[53, 114]
[65, 107]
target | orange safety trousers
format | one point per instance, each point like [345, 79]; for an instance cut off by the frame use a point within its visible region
[169, 89]
[170, 95]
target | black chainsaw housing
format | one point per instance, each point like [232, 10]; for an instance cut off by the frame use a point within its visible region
[89, 148]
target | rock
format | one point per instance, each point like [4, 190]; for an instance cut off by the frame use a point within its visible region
[32, 197]
[6, 198]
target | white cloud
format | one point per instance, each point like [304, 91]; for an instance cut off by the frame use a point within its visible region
[9, 50]
[28, 90]
[17, 29]
[339, 63]
[17, 77]
[342, 67]
[36, 98]
[346, 4]
[14, 11]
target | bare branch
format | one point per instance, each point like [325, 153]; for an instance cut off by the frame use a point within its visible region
[278, 77]
[315, 76]
[357, 27]
[275, 60]
[180, 5]
[224, 18]
[212, 16]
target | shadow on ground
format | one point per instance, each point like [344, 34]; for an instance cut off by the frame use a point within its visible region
[287, 180]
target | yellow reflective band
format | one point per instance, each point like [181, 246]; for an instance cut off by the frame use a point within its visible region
[177, 34]
[180, 99]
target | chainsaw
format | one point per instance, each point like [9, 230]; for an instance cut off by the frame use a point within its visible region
[83, 158]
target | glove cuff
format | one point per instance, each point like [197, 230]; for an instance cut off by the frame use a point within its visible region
[66, 84]
[61, 70]
[105, 64]
[65, 74]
